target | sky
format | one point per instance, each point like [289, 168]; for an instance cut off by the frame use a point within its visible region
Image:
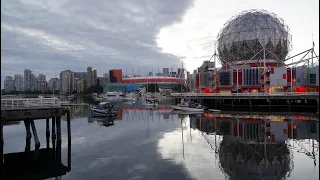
[48, 36]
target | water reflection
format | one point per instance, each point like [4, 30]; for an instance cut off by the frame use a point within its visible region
[160, 144]
[255, 147]
[40, 163]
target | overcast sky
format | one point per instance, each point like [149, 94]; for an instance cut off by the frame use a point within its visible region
[48, 36]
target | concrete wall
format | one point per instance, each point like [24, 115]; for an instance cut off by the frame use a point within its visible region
[278, 77]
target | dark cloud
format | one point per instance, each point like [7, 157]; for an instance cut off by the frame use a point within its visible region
[50, 36]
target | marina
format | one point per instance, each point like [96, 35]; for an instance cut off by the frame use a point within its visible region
[183, 141]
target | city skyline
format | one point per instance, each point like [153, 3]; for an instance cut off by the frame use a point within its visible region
[150, 34]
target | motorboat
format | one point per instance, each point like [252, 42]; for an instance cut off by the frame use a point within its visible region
[185, 112]
[70, 96]
[150, 103]
[129, 98]
[179, 106]
[41, 96]
[190, 107]
[103, 109]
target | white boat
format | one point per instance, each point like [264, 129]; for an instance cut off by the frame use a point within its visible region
[41, 96]
[184, 106]
[129, 98]
[150, 103]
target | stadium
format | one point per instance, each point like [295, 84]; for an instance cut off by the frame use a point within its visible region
[162, 81]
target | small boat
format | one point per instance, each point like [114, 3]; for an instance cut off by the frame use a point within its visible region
[128, 98]
[150, 103]
[70, 96]
[184, 106]
[214, 110]
[41, 96]
[103, 109]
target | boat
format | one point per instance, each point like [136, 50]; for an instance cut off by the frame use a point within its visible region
[103, 109]
[150, 103]
[41, 96]
[184, 112]
[70, 96]
[128, 98]
[189, 107]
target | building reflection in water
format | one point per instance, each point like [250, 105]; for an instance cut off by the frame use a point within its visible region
[258, 147]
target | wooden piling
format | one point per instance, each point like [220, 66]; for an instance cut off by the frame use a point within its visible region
[35, 134]
[58, 124]
[48, 132]
[28, 135]
[1, 148]
[69, 139]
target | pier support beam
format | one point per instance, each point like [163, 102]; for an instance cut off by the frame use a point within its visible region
[35, 135]
[250, 104]
[69, 139]
[289, 105]
[232, 104]
[48, 132]
[28, 135]
[53, 131]
[1, 147]
[58, 124]
[269, 104]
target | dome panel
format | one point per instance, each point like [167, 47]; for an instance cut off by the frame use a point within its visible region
[254, 28]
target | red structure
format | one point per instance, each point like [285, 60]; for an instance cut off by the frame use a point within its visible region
[115, 75]
[152, 79]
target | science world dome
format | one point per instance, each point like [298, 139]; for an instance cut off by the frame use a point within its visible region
[253, 35]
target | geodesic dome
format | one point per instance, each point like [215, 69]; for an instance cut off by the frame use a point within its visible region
[245, 36]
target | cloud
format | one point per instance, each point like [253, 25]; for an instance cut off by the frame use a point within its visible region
[54, 35]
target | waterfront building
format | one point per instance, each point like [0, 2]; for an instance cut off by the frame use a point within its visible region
[115, 75]
[9, 84]
[91, 76]
[253, 58]
[18, 82]
[66, 81]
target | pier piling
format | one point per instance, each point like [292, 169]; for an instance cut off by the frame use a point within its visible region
[69, 140]
[35, 135]
[48, 132]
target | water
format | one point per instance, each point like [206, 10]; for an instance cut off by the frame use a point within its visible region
[155, 144]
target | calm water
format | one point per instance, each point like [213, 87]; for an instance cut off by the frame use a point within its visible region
[157, 144]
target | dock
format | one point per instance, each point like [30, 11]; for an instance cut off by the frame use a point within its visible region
[282, 101]
[28, 110]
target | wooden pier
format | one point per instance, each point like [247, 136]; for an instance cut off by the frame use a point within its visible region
[28, 110]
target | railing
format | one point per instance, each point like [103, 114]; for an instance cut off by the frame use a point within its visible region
[30, 102]
[248, 94]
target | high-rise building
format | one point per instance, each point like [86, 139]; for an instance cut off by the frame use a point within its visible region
[41, 86]
[18, 82]
[91, 76]
[41, 77]
[33, 82]
[206, 66]
[165, 71]
[81, 76]
[9, 84]
[66, 81]
[54, 84]
[106, 77]
[27, 79]
[115, 75]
